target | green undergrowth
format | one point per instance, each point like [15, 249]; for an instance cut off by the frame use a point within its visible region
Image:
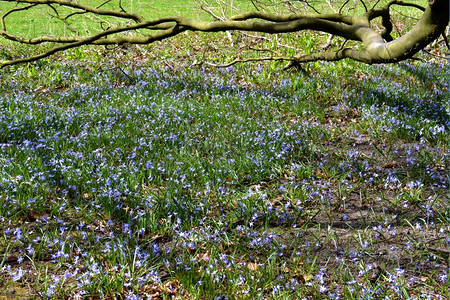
[137, 172]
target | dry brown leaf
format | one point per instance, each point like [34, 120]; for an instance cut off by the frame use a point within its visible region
[391, 164]
[171, 287]
[298, 260]
[304, 278]
[11, 258]
[252, 266]
[151, 290]
[319, 173]
[203, 257]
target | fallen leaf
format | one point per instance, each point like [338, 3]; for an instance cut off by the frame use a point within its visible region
[391, 164]
[171, 287]
[150, 290]
[203, 257]
[11, 258]
[304, 278]
[252, 266]
[298, 260]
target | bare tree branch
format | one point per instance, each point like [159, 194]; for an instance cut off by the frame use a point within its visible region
[376, 47]
[364, 4]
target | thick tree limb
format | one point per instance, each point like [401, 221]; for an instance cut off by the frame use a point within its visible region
[376, 47]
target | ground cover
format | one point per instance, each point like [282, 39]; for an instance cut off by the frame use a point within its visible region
[133, 173]
[125, 176]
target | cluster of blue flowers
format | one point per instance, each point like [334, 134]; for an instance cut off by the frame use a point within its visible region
[136, 175]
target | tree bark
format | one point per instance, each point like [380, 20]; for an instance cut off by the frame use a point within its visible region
[376, 47]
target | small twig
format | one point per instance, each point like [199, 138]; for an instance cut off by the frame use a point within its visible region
[312, 7]
[123, 72]
[3, 17]
[167, 64]
[266, 39]
[254, 5]
[331, 7]
[376, 3]
[424, 248]
[210, 12]
[399, 3]
[328, 43]
[435, 239]
[343, 5]
[242, 60]
[264, 50]
[343, 44]
[120, 6]
[104, 3]
[364, 4]
[435, 55]
[64, 20]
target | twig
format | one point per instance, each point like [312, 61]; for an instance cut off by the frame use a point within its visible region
[266, 39]
[241, 60]
[254, 5]
[364, 4]
[435, 55]
[342, 6]
[264, 50]
[328, 43]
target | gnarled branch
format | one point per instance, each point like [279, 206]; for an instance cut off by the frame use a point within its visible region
[376, 47]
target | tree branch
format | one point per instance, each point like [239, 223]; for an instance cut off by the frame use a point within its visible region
[376, 48]
[85, 8]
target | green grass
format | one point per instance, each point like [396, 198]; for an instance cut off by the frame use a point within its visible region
[35, 21]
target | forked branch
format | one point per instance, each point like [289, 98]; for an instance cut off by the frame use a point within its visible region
[376, 47]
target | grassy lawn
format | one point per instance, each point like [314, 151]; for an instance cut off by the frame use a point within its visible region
[35, 21]
[131, 173]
